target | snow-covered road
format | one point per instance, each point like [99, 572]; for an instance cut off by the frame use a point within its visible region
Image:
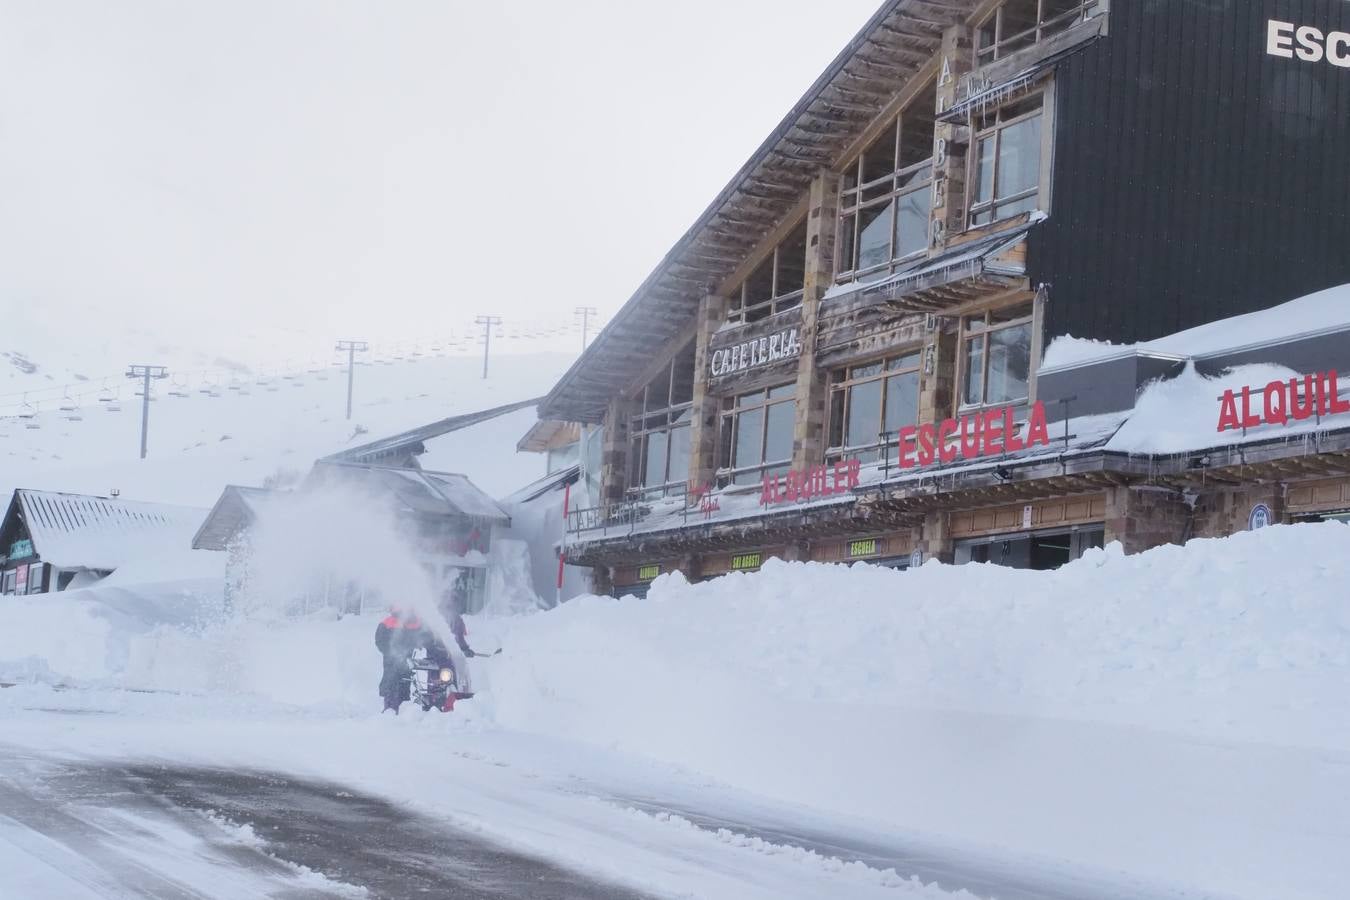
[104, 794]
[166, 831]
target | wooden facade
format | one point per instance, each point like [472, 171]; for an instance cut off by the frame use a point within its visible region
[961, 195]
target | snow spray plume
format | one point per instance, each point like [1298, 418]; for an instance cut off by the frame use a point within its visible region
[336, 546]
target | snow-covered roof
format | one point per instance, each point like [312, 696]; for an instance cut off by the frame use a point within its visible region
[1319, 313]
[237, 508]
[417, 490]
[408, 443]
[81, 531]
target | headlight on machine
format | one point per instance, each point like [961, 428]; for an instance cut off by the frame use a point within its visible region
[447, 675]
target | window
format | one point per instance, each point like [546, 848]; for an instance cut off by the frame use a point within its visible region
[1020, 23]
[7, 581]
[776, 284]
[883, 211]
[1006, 176]
[658, 458]
[870, 402]
[559, 458]
[996, 356]
[757, 435]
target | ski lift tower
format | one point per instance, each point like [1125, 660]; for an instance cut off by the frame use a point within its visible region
[145, 373]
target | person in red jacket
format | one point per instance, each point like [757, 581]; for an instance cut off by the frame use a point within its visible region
[396, 637]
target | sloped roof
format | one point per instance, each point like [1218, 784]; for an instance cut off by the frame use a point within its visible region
[895, 44]
[82, 531]
[553, 481]
[415, 490]
[547, 434]
[236, 509]
[387, 450]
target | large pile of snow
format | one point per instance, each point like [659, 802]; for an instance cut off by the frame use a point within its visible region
[1181, 714]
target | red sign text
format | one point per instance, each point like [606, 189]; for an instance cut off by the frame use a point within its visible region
[1282, 402]
[811, 484]
[988, 433]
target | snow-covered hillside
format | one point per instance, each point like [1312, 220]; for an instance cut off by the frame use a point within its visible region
[244, 427]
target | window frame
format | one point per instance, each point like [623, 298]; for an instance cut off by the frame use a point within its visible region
[739, 312]
[997, 129]
[966, 334]
[1043, 28]
[855, 200]
[732, 409]
[676, 416]
[841, 391]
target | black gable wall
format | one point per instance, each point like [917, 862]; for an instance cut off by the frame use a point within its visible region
[1195, 176]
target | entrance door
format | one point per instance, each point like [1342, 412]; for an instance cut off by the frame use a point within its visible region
[1039, 551]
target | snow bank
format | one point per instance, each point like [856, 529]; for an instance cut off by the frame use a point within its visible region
[1179, 714]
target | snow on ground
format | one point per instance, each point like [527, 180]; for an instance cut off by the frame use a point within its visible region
[1175, 722]
[198, 443]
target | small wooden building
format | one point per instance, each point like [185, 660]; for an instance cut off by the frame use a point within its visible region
[51, 541]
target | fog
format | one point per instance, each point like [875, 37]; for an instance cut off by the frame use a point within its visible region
[371, 170]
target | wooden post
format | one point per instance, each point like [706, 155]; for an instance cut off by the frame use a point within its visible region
[712, 312]
[950, 142]
[614, 456]
[808, 437]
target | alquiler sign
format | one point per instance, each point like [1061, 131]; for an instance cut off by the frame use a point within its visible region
[1282, 402]
[991, 432]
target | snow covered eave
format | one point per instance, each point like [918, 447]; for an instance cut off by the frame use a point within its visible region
[904, 501]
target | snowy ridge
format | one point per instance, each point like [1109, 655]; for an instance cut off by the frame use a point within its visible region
[199, 442]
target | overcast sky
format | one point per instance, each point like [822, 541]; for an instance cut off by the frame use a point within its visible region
[375, 169]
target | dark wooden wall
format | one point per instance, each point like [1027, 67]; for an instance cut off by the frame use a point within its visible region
[1195, 176]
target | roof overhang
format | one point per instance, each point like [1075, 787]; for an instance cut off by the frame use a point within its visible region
[895, 44]
[549, 434]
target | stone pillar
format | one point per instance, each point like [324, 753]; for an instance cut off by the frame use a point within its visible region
[950, 142]
[937, 386]
[1141, 517]
[712, 312]
[936, 537]
[614, 457]
[822, 218]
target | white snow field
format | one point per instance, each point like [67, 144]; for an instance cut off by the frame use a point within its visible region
[1173, 724]
[249, 432]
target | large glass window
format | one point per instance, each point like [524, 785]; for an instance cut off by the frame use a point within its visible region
[757, 435]
[1007, 162]
[1020, 23]
[658, 457]
[776, 284]
[996, 358]
[869, 403]
[883, 215]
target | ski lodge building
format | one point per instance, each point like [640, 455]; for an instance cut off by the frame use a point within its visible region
[861, 350]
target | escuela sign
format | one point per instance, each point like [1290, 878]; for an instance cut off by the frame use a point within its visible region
[991, 432]
[1282, 402]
